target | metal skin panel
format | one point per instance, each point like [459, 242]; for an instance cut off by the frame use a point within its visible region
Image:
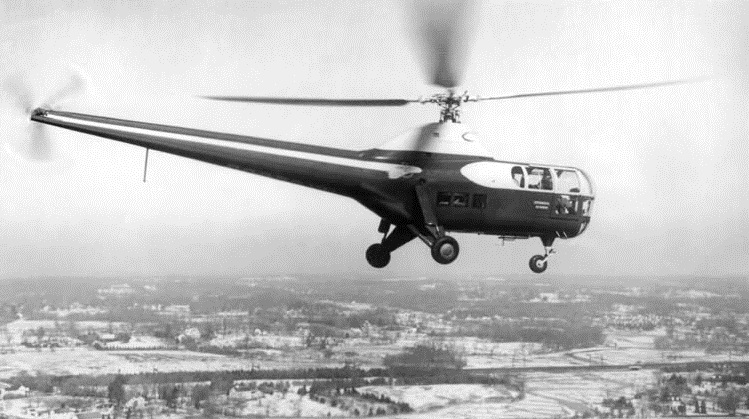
[384, 181]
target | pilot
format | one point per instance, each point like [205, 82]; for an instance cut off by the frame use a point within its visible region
[546, 181]
[534, 179]
[517, 176]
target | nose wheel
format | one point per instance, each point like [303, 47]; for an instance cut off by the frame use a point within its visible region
[539, 263]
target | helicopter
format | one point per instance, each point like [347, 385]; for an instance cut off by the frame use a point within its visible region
[434, 180]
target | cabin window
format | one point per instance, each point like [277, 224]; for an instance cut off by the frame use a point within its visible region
[566, 205]
[539, 178]
[479, 201]
[459, 200]
[567, 181]
[518, 176]
[443, 199]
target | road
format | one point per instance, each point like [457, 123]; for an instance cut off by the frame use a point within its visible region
[610, 367]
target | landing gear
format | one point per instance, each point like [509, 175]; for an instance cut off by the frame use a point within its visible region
[378, 254]
[539, 263]
[445, 250]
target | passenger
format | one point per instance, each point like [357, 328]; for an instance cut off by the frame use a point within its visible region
[565, 205]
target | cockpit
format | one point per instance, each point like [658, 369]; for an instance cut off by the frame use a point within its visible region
[559, 180]
[572, 188]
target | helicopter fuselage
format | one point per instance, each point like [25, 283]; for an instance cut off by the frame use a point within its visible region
[425, 183]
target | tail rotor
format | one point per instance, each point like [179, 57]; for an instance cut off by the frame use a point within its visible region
[34, 144]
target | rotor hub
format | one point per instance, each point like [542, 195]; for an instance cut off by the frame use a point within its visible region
[449, 104]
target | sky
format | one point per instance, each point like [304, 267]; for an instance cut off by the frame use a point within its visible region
[670, 165]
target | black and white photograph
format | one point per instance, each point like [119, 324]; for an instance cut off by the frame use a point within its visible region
[398, 208]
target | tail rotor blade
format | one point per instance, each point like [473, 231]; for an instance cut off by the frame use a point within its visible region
[74, 87]
[19, 92]
[35, 143]
[39, 145]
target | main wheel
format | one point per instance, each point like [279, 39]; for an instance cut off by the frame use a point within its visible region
[377, 256]
[445, 250]
[538, 264]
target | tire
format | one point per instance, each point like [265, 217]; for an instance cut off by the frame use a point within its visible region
[538, 264]
[377, 256]
[445, 250]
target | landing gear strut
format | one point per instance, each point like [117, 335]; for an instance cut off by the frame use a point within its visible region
[444, 248]
[539, 263]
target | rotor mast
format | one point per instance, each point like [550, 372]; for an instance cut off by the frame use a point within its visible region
[449, 104]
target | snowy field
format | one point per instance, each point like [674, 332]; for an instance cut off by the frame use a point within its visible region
[90, 361]
[260, 340]
[587, 389]
[279, 405]
[140, 342]
[13, 332]
[530, 407]
[547, 396]
[428, 398]
[82, 360]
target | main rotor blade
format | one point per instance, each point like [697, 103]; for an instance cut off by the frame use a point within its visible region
[313, 101]
[593, 90]
[444, 30]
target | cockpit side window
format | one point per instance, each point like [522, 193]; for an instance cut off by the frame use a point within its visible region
[518, 176]
[539, 178]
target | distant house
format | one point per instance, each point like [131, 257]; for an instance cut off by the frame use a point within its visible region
[117, 290]
[103, 339]
[3, 387]
[8, 391]
[107, 337]
[235, 393]
[189, 333]
[136, 403]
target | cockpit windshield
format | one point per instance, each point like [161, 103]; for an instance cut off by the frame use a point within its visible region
[572, 181]
[567, 181]
[586, 183]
